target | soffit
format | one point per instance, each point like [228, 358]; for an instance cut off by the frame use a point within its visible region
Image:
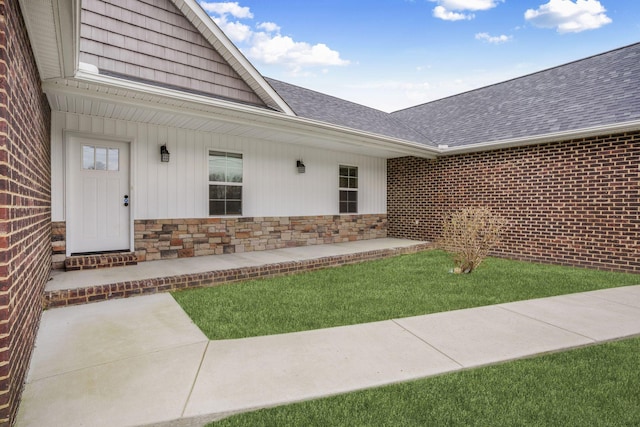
[198, 113]
[40, 20]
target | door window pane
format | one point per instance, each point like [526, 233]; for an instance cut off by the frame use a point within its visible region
[101, 159]
[88, 154]
[114, 159]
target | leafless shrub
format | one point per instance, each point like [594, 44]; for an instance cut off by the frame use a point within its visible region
[469, 234]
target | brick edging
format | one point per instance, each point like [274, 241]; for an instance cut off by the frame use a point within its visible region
[92, 262]
[61, 298]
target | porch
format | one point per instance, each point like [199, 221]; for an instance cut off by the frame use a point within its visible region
[84, 286]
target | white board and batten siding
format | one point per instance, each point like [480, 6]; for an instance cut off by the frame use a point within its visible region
[179, 189]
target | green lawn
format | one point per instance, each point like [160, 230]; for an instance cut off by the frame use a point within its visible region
[397, 287]
[594, 386]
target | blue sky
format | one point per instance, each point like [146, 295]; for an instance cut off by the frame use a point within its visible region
[393, 54]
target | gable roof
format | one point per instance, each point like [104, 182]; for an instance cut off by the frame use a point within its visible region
[583, 98]
[317, 106]
[219, 40]
[593, 92]
[579, 98]
[54, 28]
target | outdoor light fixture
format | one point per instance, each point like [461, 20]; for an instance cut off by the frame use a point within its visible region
[164, 153]
[300, 166]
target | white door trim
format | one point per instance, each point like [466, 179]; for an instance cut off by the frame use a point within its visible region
[67, 135]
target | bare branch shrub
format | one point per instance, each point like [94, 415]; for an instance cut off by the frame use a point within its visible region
[469, 235]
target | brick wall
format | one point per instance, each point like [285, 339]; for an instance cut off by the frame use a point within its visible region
[179, 238]
[25, 199]
[573, 203]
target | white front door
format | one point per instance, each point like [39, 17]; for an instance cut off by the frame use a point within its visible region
[98, 212]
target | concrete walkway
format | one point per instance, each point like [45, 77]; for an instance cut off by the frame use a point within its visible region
[141, 361]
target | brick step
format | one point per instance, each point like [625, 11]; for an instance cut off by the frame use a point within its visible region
[92, 262]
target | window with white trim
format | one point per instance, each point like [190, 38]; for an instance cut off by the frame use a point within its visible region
[225, 183]
[100, 158]
[348, 189]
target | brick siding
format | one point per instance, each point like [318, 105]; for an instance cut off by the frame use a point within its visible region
[92, 262]
[25, 200]
[181, 238]
[574, 203]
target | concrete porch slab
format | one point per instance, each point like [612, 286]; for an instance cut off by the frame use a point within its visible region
[62, 280]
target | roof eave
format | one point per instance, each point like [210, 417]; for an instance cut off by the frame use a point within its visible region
[622, 127]
[53, 27]
[240, 113]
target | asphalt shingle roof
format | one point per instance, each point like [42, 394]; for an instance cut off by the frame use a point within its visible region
[599, 90]
[596, 91]
[329, 109]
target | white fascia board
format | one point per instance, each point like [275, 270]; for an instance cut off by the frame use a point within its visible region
[234, 55]
[50, 25]
[87, 74]
[366, 139]
[67, 17]
[542, 139]
[202, 106]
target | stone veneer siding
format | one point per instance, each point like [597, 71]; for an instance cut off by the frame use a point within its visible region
[58, 244]
[574, 203]
[25, 205]
[180, 238]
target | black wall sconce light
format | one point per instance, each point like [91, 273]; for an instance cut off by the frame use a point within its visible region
[301, 167]
[164, 154]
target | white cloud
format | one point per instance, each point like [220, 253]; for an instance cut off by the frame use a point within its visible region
[569, 17]
[227, 8]
[269, 27]
[468, 4]
[442, 13]
[272, 49]
[454, 10]
[266, 44]
[493, 39]
[235, 30]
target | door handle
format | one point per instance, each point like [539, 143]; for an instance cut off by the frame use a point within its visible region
[126, 200]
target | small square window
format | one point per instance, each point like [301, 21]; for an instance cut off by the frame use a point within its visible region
[100, 158]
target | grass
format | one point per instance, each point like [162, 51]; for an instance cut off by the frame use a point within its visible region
[397, 287]
[593, 386]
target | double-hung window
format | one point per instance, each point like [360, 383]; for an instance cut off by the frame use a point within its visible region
[348, 189]
[225, 183]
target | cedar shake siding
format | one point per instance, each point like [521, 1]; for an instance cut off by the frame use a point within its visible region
[152, 42]
[25, 200]
[572, 203]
